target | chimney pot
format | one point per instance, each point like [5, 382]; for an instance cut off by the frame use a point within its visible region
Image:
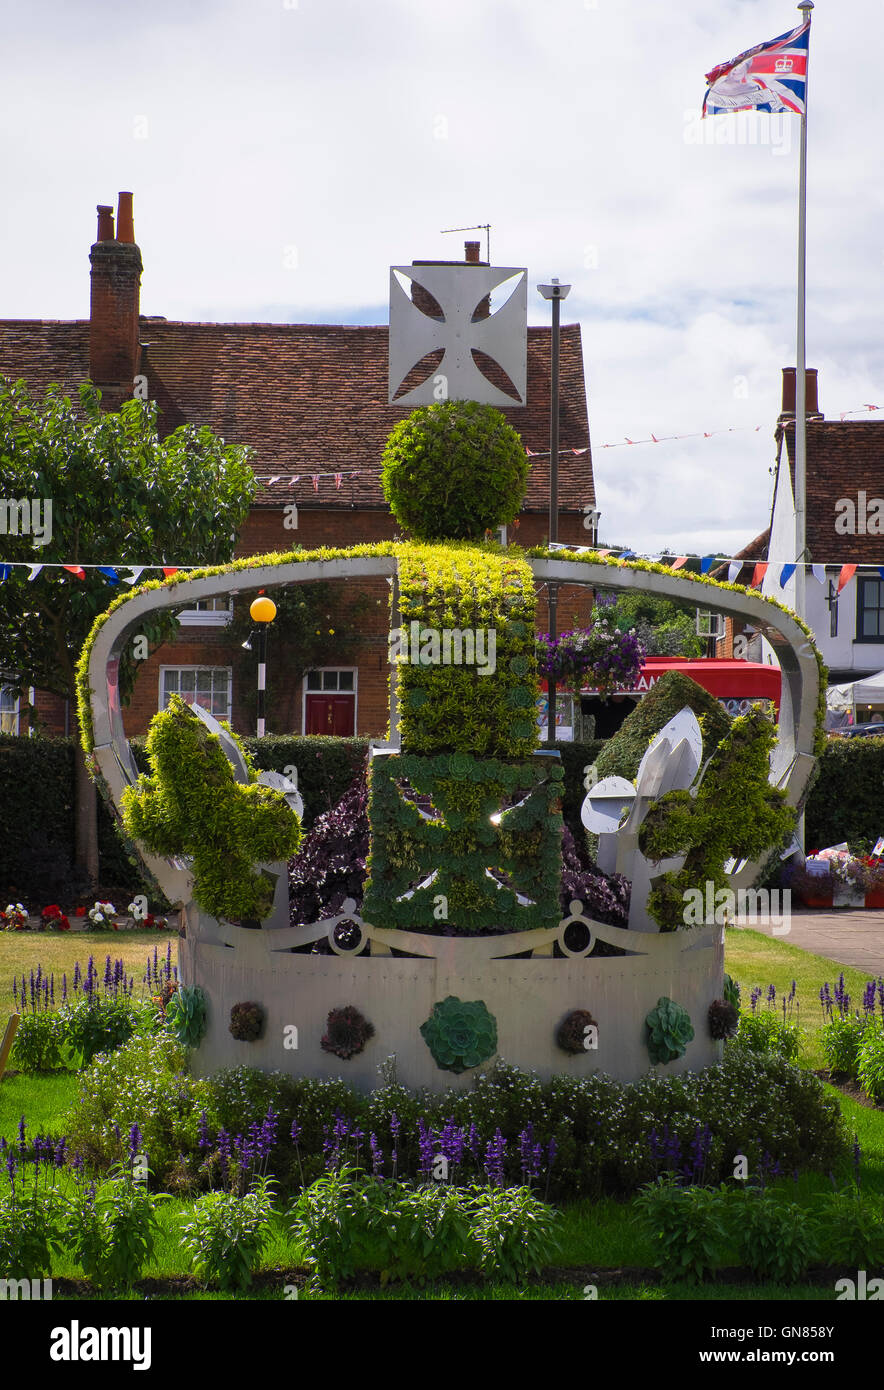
[125, 223]
[811, 396]
[471, 252]
[105, 223]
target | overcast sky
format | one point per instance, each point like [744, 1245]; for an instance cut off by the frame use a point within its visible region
[284, 153]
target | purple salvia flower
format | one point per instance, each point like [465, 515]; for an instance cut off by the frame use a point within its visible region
[377, 1156]
[494, 1158]
[295, 1132]
[21, 1134]
[203, 1131]
[473, 1142]
[52, 988]
[60, 1151]
[148, 972]
[11, 1167]
[134, 1142]
[771, 993]
[395, 1127]
[451, 1142]
[426, 1148]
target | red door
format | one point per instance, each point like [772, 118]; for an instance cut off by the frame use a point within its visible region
[330, 714]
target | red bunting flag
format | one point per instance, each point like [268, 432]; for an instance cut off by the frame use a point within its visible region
[75, 569]
[847, 573]
[167, 570]
[677, 563]
[339, 478]
[758, 574]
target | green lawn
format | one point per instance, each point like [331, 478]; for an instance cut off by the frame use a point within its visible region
[58, 952]
[755, 959]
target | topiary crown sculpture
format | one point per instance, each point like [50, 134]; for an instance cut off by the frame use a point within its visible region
[191, 805]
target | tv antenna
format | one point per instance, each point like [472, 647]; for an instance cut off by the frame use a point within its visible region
[479, 227]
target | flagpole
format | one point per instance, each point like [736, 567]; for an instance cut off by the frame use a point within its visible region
[801, 369]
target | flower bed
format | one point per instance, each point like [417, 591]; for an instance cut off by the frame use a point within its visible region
[101, 917]
[836, 878]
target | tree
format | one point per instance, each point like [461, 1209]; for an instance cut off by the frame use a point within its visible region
[94, 488]
[663, 627]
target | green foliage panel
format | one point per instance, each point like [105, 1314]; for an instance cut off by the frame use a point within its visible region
[486, 708]
[459, 842]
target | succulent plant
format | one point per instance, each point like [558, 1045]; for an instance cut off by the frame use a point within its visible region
[460, 1035]
[724, 1019]
[571, 1032]
[669, 1030]
[246, 1021]
[731, 991]
[348, 1032]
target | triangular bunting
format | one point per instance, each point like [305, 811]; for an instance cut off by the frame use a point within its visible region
[169, 569]
[733, 570]
[758, 574]
[35, 570]
[819, 573]
[677, 563]
[5, 572]
[706, 563]
[844, 578]
[75, 570]
[137, 571]
[786, 574]
[109, 573]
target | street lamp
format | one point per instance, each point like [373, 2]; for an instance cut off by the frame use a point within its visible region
[262, 611]
[556, 293]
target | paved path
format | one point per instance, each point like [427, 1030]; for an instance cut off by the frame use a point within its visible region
[850, 936]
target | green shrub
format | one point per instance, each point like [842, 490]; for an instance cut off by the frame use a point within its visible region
[515, 1232]
[226, 1235]
[38, 1043]
[31, 1228]
[100, 1025]
[765, 1033]
[112, 1233]
[870, 1063]
[144, 1083]
[775, 1238]
[851, 1230]
[673, 691]
[454, 470]
[688, 1226]
[842, 1039]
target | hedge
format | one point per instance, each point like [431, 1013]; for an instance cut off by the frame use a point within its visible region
[37, 819]
[847, 800]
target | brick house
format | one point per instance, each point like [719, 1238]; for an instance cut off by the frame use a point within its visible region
[311, 401]
[844, 526]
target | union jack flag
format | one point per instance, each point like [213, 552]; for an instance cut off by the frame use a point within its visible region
[771, 77]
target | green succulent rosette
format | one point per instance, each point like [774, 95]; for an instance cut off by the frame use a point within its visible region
[460, 1035]
[668, 1031]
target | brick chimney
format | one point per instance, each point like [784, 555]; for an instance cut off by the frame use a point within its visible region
[811, 401]
[114, 353]
[425, 301]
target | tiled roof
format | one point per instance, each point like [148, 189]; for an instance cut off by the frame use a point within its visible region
[308, 398]
[843, 458]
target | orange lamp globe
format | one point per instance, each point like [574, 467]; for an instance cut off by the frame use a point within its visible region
[262, 610]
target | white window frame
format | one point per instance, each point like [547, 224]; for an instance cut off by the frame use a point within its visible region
[354, 692]
[200, 617]
[16, 711]
[202, 667]
[713, 626]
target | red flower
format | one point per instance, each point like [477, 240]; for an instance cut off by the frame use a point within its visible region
[79, 912]
[51, 912]
[63, 924]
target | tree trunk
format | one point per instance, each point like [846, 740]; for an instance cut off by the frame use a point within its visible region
[85, 817]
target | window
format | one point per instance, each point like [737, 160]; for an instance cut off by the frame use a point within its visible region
[9, 710]
[209, 686]
[207, 612]
[330, 680]
[709, 624]
[870, 610]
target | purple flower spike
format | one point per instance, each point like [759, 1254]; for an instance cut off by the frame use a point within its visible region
[295, 1132]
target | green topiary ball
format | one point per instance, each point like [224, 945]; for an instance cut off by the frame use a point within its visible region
[453, 471]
